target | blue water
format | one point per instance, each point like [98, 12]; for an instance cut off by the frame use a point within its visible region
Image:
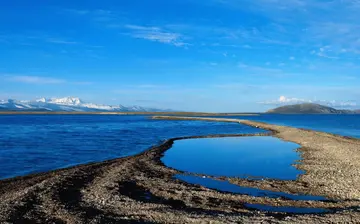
[36, 143]
[226, 186]
[244, 157]
[341, 124]
[295, 210]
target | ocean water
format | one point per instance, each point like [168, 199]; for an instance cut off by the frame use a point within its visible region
[37, 143]
[341, 124]
[245, 157]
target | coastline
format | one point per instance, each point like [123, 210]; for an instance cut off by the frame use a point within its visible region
[141, 189]
[203, 114]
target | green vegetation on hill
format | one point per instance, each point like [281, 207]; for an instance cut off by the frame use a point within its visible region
[308, 108]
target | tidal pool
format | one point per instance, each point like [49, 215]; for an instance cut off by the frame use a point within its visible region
[295, 210]
[226, 186]
[244, 157]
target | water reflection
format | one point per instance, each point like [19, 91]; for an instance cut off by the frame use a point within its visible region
[295, 210]
[226, 186]
[244, 157]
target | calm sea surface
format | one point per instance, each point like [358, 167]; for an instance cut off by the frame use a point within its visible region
[346, 125]
[36, 143]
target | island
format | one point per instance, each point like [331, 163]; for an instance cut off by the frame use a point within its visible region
[309, 108]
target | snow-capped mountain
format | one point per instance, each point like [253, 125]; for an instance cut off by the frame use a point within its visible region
[66, 104]
[70, 101]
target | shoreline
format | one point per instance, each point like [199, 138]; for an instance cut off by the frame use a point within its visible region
[141, 188]
[204, 114]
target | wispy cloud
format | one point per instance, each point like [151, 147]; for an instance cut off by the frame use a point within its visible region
[305, 21]
[32, 38]
[291, 24]
[78, 11]
[33, 79]
[97, 13]
[60, 44]
[115, 20]
[157, 89]
[261, 70]
[156, 34]
[60, 41]
[40, 80]
[283, 100]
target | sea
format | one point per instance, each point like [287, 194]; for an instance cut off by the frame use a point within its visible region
[38, 143]
[340, 124]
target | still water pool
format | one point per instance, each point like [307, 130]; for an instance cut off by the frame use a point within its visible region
[244, 157]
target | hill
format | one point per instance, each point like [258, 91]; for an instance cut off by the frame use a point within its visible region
[308, 108]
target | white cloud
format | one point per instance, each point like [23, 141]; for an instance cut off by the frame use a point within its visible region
[274, 4]
[283, 100]
[259, 69]
[311, 23]
[148, 86]
[318, 23]
[33, 79]
[35, 39]
[97, 14]
[82, 83]
[156, 34]
[59, 41]
[40, 80]
[325, 52]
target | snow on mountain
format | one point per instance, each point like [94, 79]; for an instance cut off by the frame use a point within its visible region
[66, 104]
[102, 107]
[11, 104]
[72, 101]
[41, 100]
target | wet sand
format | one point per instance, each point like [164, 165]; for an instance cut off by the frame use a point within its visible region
[141, 189]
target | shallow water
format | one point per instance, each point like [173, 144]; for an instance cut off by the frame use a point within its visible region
[244, 157]
[295, 210]
[266, 157]
[36, 143]
[226, 186]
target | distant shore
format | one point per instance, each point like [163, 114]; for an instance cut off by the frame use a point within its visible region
[141, 189]
[127, 113]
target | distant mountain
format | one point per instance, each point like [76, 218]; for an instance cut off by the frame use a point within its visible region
[308, 108]
[69, 104]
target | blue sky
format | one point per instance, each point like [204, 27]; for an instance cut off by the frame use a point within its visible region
[194, 55]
